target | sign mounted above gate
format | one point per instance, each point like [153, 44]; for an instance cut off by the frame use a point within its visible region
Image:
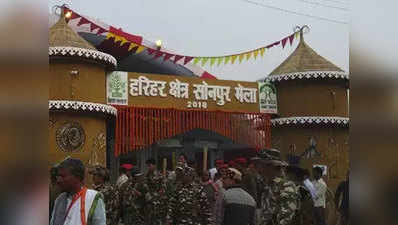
[160, 91]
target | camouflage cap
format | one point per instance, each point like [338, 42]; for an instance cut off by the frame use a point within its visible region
[100, 171]
[234, 174]
[271, 157]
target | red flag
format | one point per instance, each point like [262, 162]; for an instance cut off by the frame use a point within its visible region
[158, 54]
[83, 21]
[291, 38]
[93, 26]
[167, 56]
[177, 57]
[129, 37]
[187, 59]
[151, 51]
[284, 42]
[101, 30]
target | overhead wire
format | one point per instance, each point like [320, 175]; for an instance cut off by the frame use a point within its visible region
[294, 12]
[328, 6]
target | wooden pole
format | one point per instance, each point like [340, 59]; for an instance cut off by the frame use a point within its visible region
[164, 166]
[205, 149]
[173, 160]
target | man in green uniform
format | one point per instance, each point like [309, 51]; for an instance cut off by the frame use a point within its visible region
[280, 198]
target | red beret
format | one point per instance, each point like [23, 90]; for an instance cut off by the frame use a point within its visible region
[231, 163]
[241, 160]
[219, 161]
[127, 166]
[224, 166]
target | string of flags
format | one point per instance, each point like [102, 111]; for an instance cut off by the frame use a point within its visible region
[135, 46]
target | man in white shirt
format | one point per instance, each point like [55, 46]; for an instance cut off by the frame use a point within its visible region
[320, 196]
[77, 205]
[123, 174]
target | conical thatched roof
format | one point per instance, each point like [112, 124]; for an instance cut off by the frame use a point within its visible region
[62, 35]
[304, 59]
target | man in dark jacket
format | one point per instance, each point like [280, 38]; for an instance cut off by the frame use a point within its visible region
[238, 206]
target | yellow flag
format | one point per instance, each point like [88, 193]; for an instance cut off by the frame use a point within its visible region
[212, 60]
[248, 55]
[297, 34]
[132, 45]
[241, 57]
[140, 49]
[109, 35]
[219, 60]
[227, 58]
[196, 60]
[255, 53]
[204, 60]
[118, 38]
[124, 40]
[233, 59]
[262, 50]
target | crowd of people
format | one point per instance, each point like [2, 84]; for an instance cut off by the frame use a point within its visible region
[263, 190]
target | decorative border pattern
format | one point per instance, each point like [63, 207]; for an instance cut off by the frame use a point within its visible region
[82, 52]
[309, 75]
[81, 106]
[311, 120]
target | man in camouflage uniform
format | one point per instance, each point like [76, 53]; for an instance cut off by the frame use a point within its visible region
[189, 204]
[280, 198]
[155, 198]
[111, 195]
[133, 201]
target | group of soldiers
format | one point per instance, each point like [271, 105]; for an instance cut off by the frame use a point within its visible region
[185, 197]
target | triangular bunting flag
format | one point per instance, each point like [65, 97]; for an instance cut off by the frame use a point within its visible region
[83, 21]
[196, 60]
[93, 26]
[241, 57]
[233, 59]
[227, 59]
[101, 30]
[177, 57]
[291, 38]
[204, 60]
[167, 56]
[284, 42]
[133, 45]
[212, 60]
[255, 53]
[140, 49]
[124, 40]
[248, 55]
[262, 50]
[151, 51]
[158, 54]
[297, 34]
[109, 35]
[187, 59]
[134, 49]
[219, 60]
[118, 38]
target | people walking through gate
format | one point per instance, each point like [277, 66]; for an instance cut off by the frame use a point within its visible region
[320, 196]
[77, 205]
[238, 206]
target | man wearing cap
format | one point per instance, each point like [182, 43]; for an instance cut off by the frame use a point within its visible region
[77, 205]
[131, 196]
[217, 210]
[111, 194]
[123, 174]
[238, 206]
[248, 177]
[156, 206]
[213, 171]
[280, 199]
[189, 204]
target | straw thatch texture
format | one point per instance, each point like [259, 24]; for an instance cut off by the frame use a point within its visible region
[303, 59]
[62, 35]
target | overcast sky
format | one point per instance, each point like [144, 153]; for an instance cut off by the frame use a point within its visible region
[221, 27]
